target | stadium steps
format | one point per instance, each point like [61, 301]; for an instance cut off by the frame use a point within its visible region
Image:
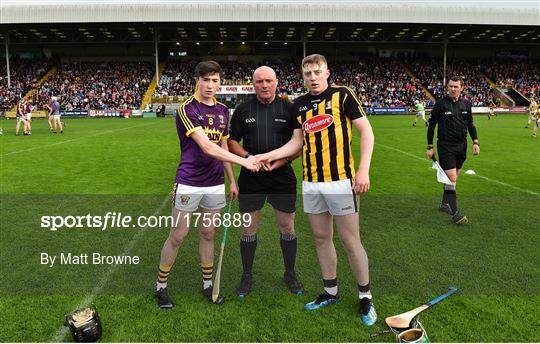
[503, 97]
[490, 82]
[517, 97]
[528, 100]
[417, 81]
[152, 87]
[502, 94]
[40, 82]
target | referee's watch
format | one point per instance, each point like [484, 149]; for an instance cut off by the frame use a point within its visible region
[247, 155]
[475, 142]
[429, 147]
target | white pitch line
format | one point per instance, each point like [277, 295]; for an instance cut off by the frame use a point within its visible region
[76, 139]
[63, 330]
[477, 175]
[506, 184]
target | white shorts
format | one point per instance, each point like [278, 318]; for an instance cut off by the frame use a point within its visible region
[188, 198]
[20, 119]
[336, 197]
[56, 116]
[28, 116]
[422, 113]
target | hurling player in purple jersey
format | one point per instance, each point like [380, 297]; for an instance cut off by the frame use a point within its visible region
[202, 125]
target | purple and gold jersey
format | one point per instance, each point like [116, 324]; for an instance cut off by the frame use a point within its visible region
[197, 168]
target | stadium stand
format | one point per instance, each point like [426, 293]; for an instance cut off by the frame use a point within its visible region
[97, 85]
[430, 71]
[177, 79]
[524, 75]
[369, 78]
[477, 89]
[379, 82]
[24, 76]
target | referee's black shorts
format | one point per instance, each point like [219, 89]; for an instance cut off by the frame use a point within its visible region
[278, 187]
[452, 154]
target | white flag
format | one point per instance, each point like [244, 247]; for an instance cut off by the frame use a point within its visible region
[441, 175]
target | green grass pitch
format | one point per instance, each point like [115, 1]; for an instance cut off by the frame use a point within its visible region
[415, 252]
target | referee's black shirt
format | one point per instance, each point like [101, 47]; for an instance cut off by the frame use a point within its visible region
[262, 127]
[453, 119]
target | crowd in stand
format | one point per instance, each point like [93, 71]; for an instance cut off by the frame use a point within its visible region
[476, 88]
[177, 78]
[24, 76]
[429, 73]
[378, 82]
[96, 85]
[524, 75]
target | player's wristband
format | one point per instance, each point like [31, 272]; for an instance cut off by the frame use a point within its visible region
[429, 147]
[476, 143]
[247, 155]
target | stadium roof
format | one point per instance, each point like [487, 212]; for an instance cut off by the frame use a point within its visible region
[269, 32]
[479, 12]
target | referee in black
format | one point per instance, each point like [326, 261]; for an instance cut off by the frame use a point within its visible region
[453, 116]
[265, 123]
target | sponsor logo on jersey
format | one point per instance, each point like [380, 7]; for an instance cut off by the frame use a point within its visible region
[317, 123]
[250, 120]
[213, 134]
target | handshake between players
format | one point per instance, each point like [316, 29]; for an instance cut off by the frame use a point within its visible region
[265, 134]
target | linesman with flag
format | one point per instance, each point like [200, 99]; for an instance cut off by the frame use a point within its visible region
[452, 115]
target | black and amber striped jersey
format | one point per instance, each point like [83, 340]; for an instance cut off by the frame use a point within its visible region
[326, 123]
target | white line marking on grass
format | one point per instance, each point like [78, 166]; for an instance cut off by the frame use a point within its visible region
[62, 330]
[77, 139]
[476, 175]
[506, 184]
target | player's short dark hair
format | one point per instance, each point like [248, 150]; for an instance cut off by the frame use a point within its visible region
[456, 78]
[314, 59]
[208, 67]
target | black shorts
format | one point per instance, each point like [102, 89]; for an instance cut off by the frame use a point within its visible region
[278, 187]
[452, 154]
